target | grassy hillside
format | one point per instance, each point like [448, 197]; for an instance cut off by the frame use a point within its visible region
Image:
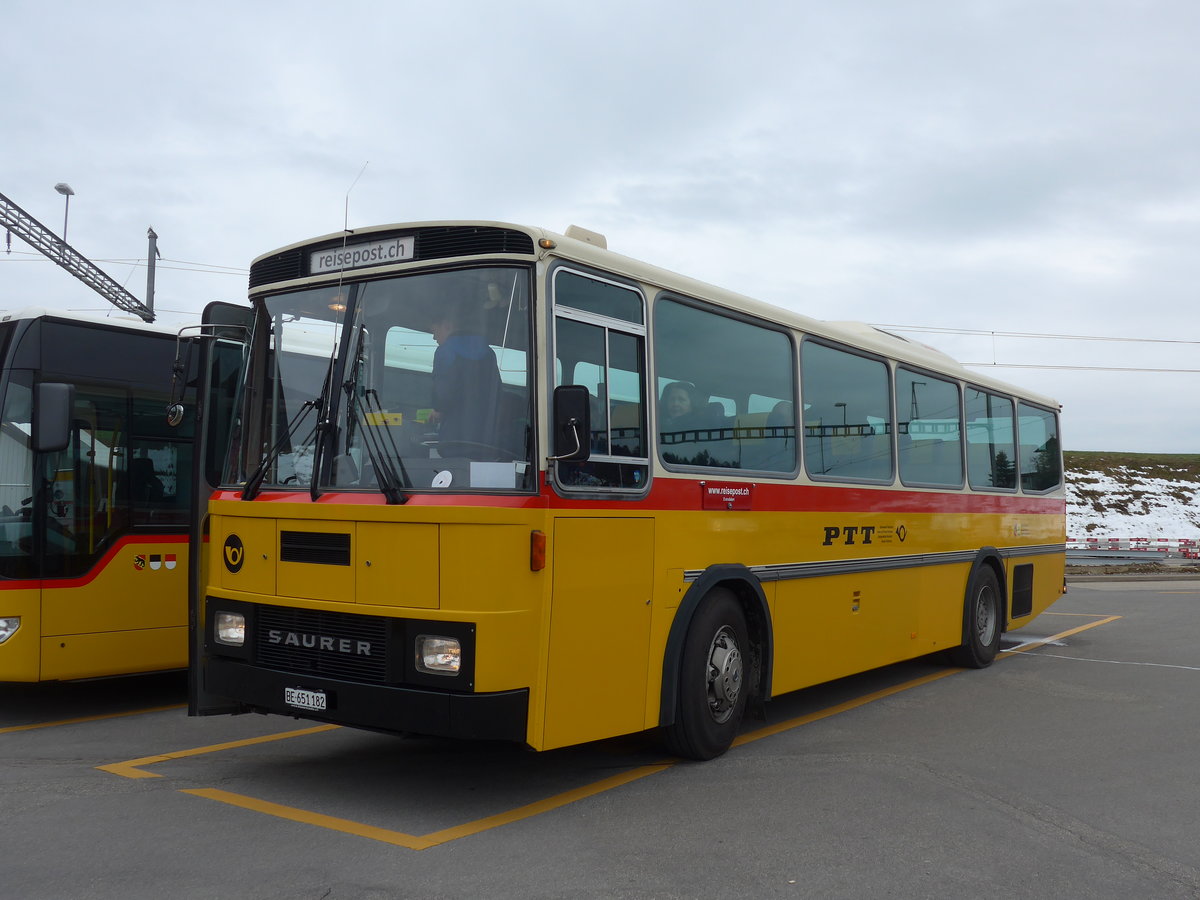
[1168, 466]
[1125, 495]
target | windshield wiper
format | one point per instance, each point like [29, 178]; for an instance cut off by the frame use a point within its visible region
[376, 436]
[254, 482]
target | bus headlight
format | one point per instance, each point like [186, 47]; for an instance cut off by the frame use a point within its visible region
[229, 629]
[8, 627]
[438, 655]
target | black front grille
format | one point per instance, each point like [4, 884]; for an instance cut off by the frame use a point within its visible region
[280, 267]
[307, 641]
[320, 548]
[456, 240]
[438, 242]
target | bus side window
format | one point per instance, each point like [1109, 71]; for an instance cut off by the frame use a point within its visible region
[158, 467]
[930, 429]
[717, 379]
[1040, 458]
[600, 344]
[847, 414]
[991, 448]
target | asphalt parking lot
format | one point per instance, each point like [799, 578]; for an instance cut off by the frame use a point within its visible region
[1067, 769]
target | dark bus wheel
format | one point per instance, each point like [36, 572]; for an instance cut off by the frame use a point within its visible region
[713, 679]
[982, 621]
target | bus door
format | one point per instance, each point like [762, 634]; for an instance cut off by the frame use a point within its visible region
[214, 364]
[603, 547]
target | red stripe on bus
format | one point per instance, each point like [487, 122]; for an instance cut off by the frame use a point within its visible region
[671, 494]
[95, 570]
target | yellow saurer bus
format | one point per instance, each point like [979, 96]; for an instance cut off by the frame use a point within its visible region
[488, 481]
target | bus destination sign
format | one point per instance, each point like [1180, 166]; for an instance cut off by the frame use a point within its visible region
[356, 256]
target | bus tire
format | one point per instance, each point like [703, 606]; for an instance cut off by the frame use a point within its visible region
[982, 621]
[713, 680]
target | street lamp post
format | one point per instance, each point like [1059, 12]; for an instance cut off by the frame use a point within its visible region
[65, 189]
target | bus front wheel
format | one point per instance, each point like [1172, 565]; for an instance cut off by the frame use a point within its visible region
[713, 679]
[982, 621]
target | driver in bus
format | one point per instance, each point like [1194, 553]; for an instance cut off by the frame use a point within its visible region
[466, 388]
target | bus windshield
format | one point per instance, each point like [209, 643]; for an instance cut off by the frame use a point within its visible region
[424, 380]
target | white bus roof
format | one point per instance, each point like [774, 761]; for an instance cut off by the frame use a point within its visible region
[590, 248]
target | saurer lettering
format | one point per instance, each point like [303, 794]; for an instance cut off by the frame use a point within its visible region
[319, 642]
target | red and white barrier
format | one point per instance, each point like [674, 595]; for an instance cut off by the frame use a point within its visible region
[1186, 547]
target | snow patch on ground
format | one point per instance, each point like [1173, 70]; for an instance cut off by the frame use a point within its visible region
[1127, 503]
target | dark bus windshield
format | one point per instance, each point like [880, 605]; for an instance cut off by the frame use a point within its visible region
[123, 469]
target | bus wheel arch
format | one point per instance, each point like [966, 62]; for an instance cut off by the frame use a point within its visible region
[985, 610]
[722, 624]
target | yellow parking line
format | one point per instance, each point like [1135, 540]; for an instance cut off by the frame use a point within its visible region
[781, 727]
[97, 718]
[132, 768]
[424, 842]
[1038, 642]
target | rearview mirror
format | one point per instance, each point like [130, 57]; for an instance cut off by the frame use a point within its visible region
[52, 405]
[572, 422]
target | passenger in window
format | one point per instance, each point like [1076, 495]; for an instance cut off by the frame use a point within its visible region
[677, 409]
[466, 389]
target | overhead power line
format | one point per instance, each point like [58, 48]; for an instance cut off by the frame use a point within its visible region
[181, 264]
[198, 266]
[992, 365]
[981, 332]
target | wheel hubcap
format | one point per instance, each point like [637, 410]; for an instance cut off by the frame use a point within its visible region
[724, 675]
[985, 616]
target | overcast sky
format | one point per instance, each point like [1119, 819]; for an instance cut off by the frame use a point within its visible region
[994, 167]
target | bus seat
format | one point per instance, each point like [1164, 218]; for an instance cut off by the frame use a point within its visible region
[715, 417]
[782, 414]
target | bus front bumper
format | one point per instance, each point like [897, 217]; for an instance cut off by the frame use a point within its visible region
[498, 716]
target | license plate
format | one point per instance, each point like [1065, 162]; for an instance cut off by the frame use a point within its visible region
[304, 699]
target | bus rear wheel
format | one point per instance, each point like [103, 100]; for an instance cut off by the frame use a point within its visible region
[982, 621]
[713, 679]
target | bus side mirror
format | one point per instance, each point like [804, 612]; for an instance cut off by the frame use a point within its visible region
[52, 405]
[572, 422]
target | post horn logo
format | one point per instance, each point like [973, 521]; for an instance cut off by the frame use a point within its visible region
[234, 553]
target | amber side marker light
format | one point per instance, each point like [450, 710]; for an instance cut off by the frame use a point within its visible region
[537, 550]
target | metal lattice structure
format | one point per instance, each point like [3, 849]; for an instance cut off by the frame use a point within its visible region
[55, 248]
